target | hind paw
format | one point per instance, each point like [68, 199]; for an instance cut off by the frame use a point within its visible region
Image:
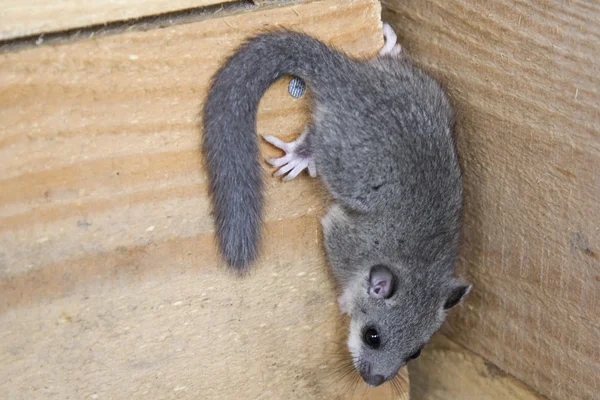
[391, 47]
[297, 158]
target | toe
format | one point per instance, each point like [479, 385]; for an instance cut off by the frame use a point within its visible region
[297, 169]
[278, 162]
[284, 170]
[396, 50]
[277, 142]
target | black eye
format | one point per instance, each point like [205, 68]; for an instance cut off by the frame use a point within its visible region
[415, 355]
[371, 338]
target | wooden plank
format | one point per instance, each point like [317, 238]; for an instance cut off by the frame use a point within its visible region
[30, 17]
[109, 282]
[525, 77]
[447, 370]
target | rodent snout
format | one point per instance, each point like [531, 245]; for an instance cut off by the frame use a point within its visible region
[373, 380]
[364, 368]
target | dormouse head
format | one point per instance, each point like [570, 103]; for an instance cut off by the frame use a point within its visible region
[392, 318]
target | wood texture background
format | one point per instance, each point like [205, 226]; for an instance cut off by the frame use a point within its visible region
[525, 78]
[30, 17]
[447, 371]
[109, 283]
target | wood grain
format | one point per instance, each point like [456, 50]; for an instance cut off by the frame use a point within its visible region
[109, 282]
[30, 17]
[446, 370]
[525, 77]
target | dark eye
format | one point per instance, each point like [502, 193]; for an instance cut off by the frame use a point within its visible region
[416, 354]
[371, 338]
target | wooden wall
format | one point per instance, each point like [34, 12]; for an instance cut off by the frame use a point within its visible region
[109, 282]
[20, 18]
[525, 78]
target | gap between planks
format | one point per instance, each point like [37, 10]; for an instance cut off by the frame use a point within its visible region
[143, 23]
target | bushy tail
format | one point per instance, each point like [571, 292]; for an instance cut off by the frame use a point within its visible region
[230, 144]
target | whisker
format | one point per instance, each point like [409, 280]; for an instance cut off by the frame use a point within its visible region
[345, 386]
[347, 370]
[344, 373]
[396, 386]
[400, 386]
[352, 379]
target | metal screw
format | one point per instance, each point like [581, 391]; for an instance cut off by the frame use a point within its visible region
[297, 87]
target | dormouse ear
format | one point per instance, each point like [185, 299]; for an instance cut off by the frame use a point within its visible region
[381, 282]
[457, 293]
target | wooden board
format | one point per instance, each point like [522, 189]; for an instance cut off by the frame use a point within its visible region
[109, 282]
[446, 370]
[31, 17]
[525, 77]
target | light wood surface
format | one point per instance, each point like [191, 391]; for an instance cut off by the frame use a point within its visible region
[30, 17]
[109, 282]
[525, 78]
[447, 370]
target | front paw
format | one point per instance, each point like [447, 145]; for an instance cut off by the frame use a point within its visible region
[343, 305]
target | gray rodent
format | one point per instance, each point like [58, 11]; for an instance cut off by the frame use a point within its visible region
[381, 139]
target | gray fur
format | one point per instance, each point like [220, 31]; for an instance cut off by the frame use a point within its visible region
[229, 141]
[381, 140]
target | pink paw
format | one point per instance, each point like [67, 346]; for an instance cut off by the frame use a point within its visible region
[292, 163]
[391, 47]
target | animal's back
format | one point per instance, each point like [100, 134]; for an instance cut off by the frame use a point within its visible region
[383, 143]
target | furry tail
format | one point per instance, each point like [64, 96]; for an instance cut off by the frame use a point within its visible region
[230, 145]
